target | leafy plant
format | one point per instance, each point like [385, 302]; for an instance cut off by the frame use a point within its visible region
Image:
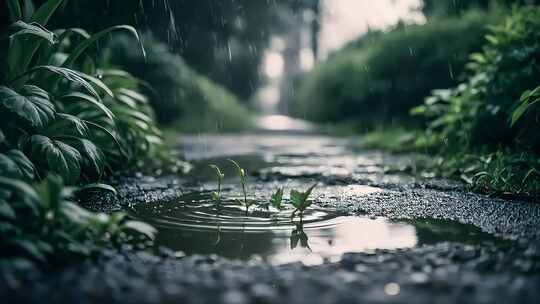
[40, 223]
[381, 76]
[277, 198]
[300, 200]
[528, 101]
[216, 195]
[182, 97]
[243, 180]
[64, 117]
[494, 114]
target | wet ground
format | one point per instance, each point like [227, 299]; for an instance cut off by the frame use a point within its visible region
[373, 234]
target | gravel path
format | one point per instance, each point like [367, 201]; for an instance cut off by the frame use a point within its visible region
[439, 273]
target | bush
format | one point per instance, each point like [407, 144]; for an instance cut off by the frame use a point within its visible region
[382, 80]
[494, 116]
[498, 103]
[180, 94]
[66, 119]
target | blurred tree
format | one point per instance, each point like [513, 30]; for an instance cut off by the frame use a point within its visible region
[223, 39]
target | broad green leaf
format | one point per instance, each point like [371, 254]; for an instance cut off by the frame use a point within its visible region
[60, 157]
[22, 28]
[15, 164]
[300, 199]
[76, 213]
[297, 198]
[66, 122]
[277, 198]
[22, 190]
[133, 95]
[520, 111]
[83, 46]
[92, 155]
[45, 11]
[30, 104]
[79, 78]
[15, 12]
[6, 211]
[50, 193]
[76, 96]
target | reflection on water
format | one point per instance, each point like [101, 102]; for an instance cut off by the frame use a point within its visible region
[196, 225]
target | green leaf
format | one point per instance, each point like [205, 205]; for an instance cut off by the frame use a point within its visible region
[83, 46]
[60, 157]
[14, 8]
[50, 192]
[92, 154]
[15, 164]
[6, 211]
[32, 104]
[76, 96]
[31, 248]
[297, 198]
[142, 228]
[45, 11]
[277, 198]
[520, 111]
[79, 78]
[300, 199]
[21, 53]
[75, 213]
[22, 28]
[23, 190]
[133, 95]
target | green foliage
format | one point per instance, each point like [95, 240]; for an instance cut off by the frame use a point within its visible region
[63, 117]
[40, 223]
[277, 198]
[181, 96]
[380, 80]
[300, 199]
[498, 104]
[243, 180]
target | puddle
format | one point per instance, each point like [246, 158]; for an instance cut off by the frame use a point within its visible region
[195, 225]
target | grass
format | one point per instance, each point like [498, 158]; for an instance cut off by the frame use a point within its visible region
[502, 172]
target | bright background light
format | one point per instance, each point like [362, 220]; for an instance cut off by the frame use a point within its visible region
[344, 20]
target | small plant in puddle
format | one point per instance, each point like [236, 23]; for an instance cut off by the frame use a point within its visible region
[277, 198]
[243, 180]
[300, 201]
[216, 195]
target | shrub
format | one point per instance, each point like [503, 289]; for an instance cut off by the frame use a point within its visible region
[63, 117]
[498, 103]
[181, 95]
[382, 79]
[494, 116]
[41, 224]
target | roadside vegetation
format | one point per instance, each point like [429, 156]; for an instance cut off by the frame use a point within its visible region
[476, 110]
[379, 77]
[66, 122]
[183, 99]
